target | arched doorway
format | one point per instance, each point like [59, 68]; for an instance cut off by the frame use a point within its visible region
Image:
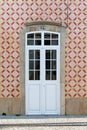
[42, 73]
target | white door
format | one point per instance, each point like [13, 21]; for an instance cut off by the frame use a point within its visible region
[42, 74]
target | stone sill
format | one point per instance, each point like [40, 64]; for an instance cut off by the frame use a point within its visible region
[44, 121]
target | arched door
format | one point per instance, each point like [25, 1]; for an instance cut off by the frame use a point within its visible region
[42, 73]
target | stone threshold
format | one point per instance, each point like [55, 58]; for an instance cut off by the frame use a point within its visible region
[47, 124]
[45, 121]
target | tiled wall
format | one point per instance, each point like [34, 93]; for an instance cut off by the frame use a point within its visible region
[76, 50]
[13, 15]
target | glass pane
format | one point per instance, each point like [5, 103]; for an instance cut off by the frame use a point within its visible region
[37, 54]
[53, 75]
[31, 65]
[54, 42]
[48, 64]
[53, 64]
[54, 54]
[55, 36]
[47, 36]
[31, 54]
[30, 42]
[37, 75]
[31, 36]
[47, 75]
[48, 54]
[47, 42]
[38, 35]
[37, 42]
[31, 75]
[37, 64]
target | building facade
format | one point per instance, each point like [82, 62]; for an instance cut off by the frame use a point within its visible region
[43, 57]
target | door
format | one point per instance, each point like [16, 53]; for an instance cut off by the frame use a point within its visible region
[42, 74]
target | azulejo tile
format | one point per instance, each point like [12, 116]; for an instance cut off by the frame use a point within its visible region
[13, 14]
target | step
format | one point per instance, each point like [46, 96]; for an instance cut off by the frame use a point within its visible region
[43, 123]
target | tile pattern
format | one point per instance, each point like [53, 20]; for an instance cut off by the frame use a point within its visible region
[13, 14]
[76, 50]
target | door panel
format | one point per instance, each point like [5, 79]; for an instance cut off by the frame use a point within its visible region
[51, 82]
[50, 99]
[34, 97]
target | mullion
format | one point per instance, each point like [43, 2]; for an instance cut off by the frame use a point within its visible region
[34, 63]
[50, 64]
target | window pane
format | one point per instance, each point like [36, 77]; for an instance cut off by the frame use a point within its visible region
[31, 36]
[47, 36]
[30, 42]
[54, 42]
[37, 64]
[37, 75]
[37, 54]
[53, 75]
[48, 54]
[47, 42]
[38, 35]
[31, 75]
[47, 75]
[48, 64]
[55, 36]
[37, 42]
[54, 54]
[53, 64]
[31, 65]
[31, 54]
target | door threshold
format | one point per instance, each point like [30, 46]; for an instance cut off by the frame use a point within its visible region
[43, 116]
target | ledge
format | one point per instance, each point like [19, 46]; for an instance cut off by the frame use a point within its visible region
[43, 23]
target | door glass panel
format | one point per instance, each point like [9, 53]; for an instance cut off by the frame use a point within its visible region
[37, 54]
[47, 54]
[54, 42]
[34, 39]
[53, 75]
[30, 42]
[47, 35]
[50, 65]
[31, 54]
[37, 42]
[34, 64]
[38, 36]
[37, 64]
[50, 39]
[54, 36]
[37, 75]
[53, 54]
[47, 75]
[31, 64]
[30, 36]
[31, 75]
[38, 39]
[47, 42]
[53, 64]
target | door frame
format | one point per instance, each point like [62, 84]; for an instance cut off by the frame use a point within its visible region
[42, 49]
[40, 26]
